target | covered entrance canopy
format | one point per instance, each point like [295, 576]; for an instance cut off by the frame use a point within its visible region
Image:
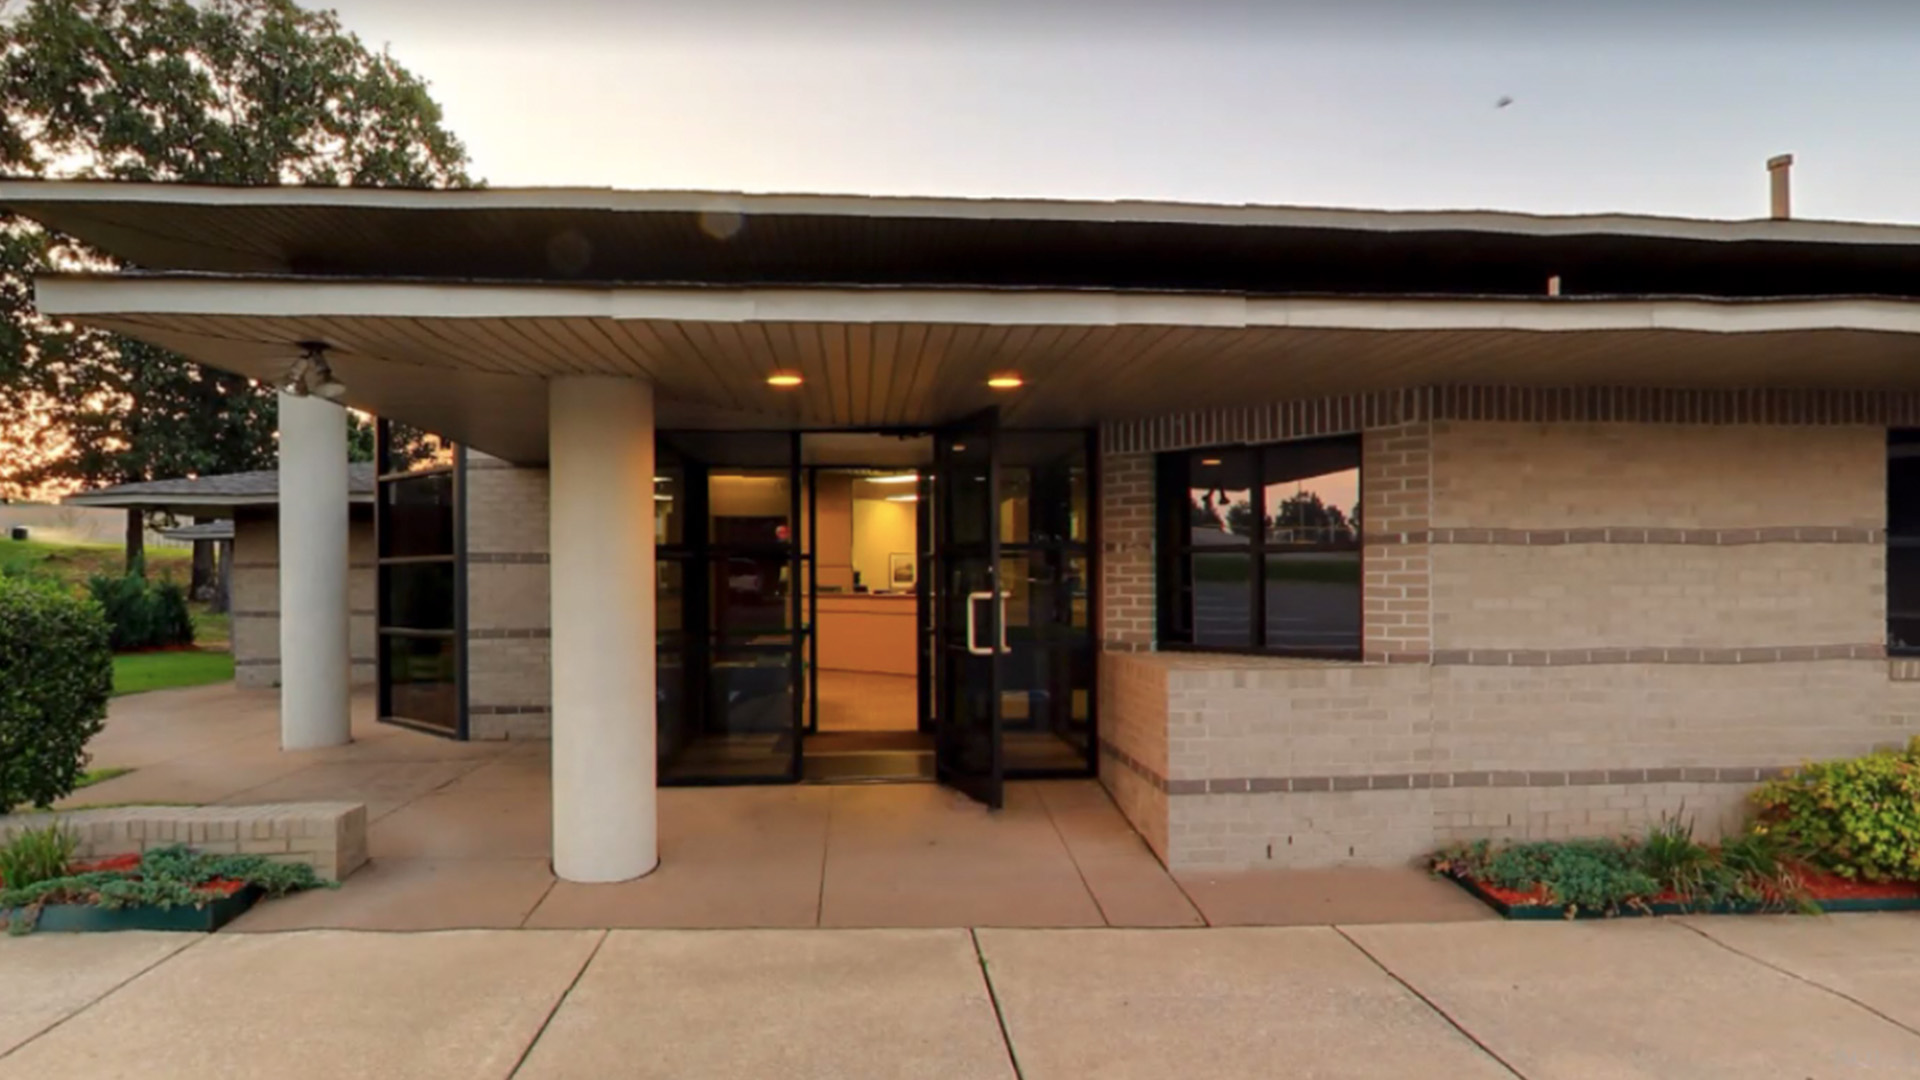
[470, 360]
[449, 310]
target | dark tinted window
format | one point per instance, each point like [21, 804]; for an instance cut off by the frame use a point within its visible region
[1903, 542]
[1261, 548]
[419, 518]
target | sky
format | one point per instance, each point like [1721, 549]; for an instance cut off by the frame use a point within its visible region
[1627, 105]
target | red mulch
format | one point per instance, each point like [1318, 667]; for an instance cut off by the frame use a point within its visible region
[114, 862]
[1833, 887]
[215, 889]
[1820, 886]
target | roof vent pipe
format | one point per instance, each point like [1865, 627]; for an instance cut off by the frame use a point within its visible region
[1780, 170]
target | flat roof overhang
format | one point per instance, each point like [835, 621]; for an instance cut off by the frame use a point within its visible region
[469, 361]
[729, 238]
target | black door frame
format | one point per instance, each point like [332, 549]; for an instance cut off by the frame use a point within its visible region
[805, 616]
[969, 750]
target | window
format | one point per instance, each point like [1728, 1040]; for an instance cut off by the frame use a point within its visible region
[418, 522]
[1260, 548]
[1903, 542]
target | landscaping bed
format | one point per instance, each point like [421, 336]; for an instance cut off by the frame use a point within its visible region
[171, 888]
[1823, 892]
[1833, 836]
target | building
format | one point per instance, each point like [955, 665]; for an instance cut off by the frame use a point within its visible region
[1320, 536]
[243, 510]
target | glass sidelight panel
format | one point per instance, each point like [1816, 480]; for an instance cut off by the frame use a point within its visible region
[729, 647]
[1046, 564]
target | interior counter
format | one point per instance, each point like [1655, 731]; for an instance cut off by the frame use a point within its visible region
[867, 632]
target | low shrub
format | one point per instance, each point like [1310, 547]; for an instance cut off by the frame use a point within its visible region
[143, 614]
[56, 672]
[1858, 818]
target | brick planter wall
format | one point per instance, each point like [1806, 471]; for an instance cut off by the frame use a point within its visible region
[330, 837]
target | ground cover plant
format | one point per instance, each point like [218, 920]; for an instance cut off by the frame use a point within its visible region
[37, 870]
[1611, 876]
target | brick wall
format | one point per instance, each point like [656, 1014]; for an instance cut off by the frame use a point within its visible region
[256, 597]
[1396, 500]
[1572, 627]
[508, 614]
[1126, 551]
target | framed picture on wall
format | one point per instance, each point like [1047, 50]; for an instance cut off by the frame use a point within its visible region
[901, 570]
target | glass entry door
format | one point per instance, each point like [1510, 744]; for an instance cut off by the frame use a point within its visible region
[969, 634]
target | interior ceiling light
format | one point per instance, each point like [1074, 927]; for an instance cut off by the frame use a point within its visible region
[903, 498]
[1210, 461]
[784, 379]
[312, 375]
[1006, 380]
[903, 478]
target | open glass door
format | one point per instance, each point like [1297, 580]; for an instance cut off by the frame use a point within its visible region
[970, 625]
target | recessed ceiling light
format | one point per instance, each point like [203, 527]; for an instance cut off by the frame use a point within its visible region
[1006, 380]
[1209, 461]
[784, 379]
[903, 498]
[903, 478]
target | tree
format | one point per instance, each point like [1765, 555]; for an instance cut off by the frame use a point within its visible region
[238, 92]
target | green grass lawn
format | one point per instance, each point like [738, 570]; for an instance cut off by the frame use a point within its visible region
[74, 563]
[135, 673]
[100, 776]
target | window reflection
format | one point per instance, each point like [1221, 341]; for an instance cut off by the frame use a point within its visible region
[1220, 497]
[748, 508]
[1263, 548]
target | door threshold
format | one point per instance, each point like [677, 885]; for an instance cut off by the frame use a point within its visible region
[869, 767]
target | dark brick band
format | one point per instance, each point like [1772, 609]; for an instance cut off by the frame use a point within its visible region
[513, 634]
[1133, 765]
[1349, 413]
[1745, 654]
[1620, 534]
[507, 710]
[1530, 778]
[276, 566]
[528, 557]
[274, 661]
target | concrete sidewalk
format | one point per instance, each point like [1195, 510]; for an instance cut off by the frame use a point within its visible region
[1740, 998]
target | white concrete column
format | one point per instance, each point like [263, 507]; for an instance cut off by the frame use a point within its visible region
[315, 670]
[600, 462]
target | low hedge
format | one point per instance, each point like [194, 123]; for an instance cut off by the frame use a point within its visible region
[1858, 818]
[142, 614]
[56, 672]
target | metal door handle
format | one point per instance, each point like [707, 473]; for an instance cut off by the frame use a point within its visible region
[973, 600]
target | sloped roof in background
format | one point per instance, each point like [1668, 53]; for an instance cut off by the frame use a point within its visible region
[259, 488]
